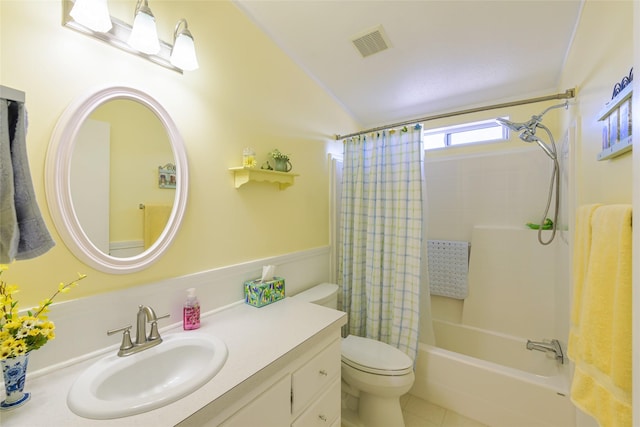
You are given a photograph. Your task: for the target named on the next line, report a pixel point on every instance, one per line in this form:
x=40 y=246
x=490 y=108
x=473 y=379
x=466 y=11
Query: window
x=468 y=133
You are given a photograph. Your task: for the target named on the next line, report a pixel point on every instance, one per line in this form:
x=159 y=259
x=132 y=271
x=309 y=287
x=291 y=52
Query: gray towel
x=20 y=217
x=9 y=235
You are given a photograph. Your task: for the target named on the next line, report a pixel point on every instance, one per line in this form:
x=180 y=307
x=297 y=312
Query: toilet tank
x=325 y=294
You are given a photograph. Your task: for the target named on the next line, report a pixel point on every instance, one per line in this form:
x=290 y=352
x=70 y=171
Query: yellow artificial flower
x=13 y=324
x=48 y=325
x=22 y=334
x=5 y=352
x=17 y=343
x=19 y=348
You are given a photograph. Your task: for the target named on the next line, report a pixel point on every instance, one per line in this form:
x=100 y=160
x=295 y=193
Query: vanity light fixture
x=144 y=34
x=93 y=14
x=120 y=33
x=183 y=54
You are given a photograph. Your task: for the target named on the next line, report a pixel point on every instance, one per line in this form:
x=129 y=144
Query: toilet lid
x=374 y=356
x=319 y=293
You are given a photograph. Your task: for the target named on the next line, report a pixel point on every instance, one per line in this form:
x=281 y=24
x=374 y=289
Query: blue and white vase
x=14 y=370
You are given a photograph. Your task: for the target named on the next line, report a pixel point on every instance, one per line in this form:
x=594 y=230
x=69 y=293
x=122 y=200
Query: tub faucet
x=145 y=314
x=547 y=346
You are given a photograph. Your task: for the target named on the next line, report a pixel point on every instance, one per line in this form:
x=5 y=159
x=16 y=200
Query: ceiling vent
x=371 y=41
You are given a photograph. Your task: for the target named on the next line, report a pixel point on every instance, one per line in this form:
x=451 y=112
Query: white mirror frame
x=58 y=181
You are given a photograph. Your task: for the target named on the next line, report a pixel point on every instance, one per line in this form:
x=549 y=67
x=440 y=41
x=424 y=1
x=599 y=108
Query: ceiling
x=443 y=56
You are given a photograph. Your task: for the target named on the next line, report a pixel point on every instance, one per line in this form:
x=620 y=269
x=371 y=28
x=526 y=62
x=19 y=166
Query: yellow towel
x=581 y=252
x=155 y=220
x=600 y=336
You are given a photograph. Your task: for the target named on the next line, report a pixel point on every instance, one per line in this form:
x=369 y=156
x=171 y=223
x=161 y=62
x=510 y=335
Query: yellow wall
x=246 y=93
x=601 y=55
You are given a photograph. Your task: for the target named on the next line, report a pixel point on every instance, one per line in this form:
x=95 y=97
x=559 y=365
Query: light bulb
x=183 y=54
x=93 y=14
x=144 y=35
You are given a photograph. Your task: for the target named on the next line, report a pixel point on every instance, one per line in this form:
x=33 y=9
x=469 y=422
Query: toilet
x=375 y=372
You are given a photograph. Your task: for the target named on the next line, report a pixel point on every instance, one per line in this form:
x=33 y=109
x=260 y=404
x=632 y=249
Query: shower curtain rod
x=569 y=93
x=11 y=94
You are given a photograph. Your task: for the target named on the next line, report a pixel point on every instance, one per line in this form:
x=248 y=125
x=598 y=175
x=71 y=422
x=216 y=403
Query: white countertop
x=255 y=338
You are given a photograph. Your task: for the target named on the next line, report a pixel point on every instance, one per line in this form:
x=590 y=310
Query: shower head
x=516 y=127
x=532 y=124
x=528 y=129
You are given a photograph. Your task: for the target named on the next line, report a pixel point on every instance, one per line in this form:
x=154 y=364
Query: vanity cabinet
x=269 y=409
x=318 y=376
x=304 y=394
x=282 y=369
x=323 y=412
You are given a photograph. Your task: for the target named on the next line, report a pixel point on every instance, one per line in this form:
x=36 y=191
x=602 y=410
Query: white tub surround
x=502 y=349
x=262 y=343
x=491 y=377
x=512 y=284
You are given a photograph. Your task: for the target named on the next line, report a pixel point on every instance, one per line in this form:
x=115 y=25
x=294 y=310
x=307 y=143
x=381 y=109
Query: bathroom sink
x=116 y=386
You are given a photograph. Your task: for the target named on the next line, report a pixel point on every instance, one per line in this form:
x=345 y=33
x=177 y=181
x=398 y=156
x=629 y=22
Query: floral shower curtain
x=381 y=234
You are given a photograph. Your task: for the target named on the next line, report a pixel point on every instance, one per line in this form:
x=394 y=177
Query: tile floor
x=420 y=413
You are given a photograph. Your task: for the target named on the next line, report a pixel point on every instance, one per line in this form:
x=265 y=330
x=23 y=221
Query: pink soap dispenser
x=191 y=311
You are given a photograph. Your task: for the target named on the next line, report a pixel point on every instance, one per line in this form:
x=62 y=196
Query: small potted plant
x=282 y=163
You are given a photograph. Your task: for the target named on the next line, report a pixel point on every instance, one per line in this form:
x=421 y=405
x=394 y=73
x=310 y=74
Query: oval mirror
x=117 y=179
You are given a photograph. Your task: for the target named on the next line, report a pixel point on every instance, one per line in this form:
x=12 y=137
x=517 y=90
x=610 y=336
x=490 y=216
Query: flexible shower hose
x=555 y=179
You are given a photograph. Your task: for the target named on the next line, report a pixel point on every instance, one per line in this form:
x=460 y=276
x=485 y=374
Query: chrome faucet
x=547 y=346
x=145 y=314
x=143 y=342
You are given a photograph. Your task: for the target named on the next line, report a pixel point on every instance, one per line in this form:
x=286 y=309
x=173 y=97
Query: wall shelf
x=616 y=102
x=617 y=150
x=616 y=118
x=244 y=175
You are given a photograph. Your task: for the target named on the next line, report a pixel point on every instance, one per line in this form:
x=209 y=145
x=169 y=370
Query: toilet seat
x=375 y=357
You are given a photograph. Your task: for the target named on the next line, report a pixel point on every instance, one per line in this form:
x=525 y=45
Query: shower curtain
x=381 y=235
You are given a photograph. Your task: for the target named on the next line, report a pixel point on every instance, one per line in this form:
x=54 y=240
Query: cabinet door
x=315 y=376
x=323 y=412
x=271 y=409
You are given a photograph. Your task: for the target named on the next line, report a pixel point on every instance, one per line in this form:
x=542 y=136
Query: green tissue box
x=259 y=294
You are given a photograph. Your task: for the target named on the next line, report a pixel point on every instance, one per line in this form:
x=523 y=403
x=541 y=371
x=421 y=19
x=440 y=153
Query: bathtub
x=493 y=378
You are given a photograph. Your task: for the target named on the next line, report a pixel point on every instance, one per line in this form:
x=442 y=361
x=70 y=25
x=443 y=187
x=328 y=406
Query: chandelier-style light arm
x=118 y=33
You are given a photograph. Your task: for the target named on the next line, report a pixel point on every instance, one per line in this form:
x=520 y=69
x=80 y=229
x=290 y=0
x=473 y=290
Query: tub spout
x=547 y=346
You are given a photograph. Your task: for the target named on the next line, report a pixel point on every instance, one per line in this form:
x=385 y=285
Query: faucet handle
x=154 y=334
x=166 y=316
x=123 y=329
x=126 y=337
